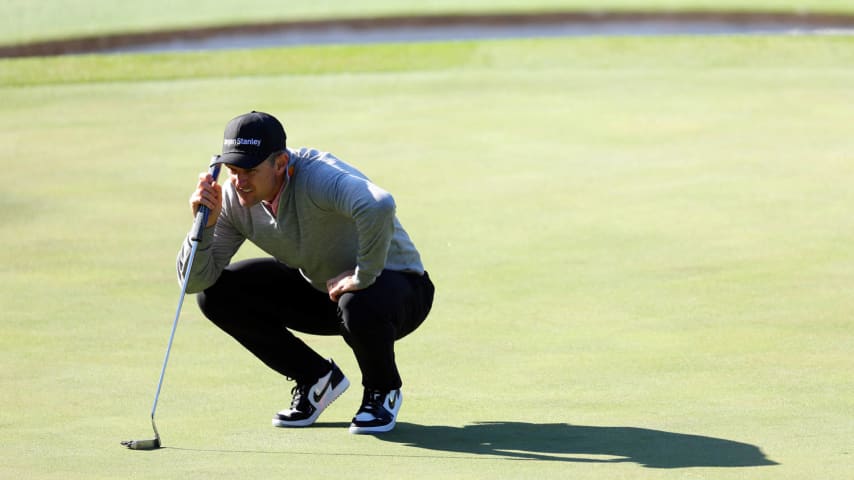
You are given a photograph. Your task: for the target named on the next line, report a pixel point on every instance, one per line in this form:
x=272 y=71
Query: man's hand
x=209 y=194
x=343 y=283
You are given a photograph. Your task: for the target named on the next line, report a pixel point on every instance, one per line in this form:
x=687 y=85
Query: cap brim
x=239 y=159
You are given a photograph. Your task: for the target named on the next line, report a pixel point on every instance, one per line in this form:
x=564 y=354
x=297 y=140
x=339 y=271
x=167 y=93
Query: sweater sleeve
x=217 y=246
x=372 y=209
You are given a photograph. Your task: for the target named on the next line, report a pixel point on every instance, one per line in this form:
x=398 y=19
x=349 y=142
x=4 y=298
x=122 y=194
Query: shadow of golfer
x=575 y=443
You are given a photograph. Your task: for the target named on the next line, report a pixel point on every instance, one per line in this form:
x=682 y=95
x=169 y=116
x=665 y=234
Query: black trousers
x=260 y=301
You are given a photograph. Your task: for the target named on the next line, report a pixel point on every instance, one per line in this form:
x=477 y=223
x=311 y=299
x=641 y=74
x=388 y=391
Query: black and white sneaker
x=310 y=401
x=378 y=412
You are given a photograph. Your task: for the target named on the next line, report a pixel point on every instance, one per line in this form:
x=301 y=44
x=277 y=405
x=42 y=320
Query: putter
x=198 y=228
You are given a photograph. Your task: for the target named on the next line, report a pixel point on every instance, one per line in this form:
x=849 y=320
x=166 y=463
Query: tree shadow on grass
x=576 y=443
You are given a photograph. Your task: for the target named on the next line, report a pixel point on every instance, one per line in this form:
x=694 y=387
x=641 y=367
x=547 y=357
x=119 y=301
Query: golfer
x=340 y=263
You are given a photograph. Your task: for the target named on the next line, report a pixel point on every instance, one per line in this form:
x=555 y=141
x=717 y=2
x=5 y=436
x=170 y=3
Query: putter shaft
x=196 y=236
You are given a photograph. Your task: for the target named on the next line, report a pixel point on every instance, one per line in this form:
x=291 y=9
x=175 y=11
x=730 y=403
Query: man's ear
x=282 y=161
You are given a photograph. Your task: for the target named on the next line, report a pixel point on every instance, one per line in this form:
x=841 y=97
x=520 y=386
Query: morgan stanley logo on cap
x=251 y=138
x=241 y=141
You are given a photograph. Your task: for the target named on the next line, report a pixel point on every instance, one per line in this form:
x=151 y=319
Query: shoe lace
x=298 y=392
x=373 y=399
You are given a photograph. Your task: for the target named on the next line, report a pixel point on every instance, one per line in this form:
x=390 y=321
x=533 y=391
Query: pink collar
x=273 y=205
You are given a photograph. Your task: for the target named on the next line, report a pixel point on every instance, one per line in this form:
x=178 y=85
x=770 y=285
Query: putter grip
x=203 y=212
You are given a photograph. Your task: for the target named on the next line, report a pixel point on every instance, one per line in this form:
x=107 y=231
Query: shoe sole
x=380 y=429
x=334 y=394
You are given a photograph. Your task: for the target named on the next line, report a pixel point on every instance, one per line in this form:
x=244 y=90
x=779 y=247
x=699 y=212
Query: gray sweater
x=330 y=219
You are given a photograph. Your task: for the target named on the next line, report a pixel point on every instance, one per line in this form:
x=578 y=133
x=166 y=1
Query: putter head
x=152 y=444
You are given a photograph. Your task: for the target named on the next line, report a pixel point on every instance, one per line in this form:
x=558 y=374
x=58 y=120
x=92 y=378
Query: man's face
x=256 y=184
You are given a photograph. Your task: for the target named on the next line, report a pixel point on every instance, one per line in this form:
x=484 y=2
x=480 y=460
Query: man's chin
x=246 y=202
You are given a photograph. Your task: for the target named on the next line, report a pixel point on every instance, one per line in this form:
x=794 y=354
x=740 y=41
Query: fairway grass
x=642 y=252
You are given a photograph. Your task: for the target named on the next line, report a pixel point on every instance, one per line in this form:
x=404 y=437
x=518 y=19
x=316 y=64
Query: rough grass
x=538 y=54
x=27 y=21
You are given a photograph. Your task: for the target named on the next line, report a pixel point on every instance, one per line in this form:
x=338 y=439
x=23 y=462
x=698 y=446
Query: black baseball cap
x=250 y=138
